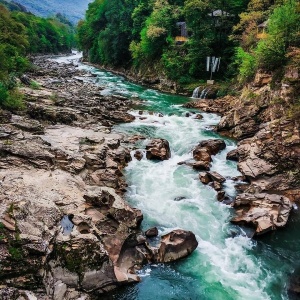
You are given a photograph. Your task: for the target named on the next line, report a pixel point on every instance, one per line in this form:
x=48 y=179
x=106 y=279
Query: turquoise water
x=226 y=264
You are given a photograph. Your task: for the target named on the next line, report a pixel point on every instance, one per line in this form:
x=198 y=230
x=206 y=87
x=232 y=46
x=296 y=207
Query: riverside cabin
x=183 y=37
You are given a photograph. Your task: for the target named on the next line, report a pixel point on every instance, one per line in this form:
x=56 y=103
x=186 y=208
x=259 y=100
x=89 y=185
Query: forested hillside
x=142 y=34
x=72 y=9
x=22 y=34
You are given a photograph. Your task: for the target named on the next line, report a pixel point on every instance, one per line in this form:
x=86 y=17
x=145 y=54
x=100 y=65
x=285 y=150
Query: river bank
x=65 y=143
x=66 y=230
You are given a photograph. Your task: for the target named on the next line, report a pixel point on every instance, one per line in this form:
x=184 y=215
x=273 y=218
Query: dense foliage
x=141 y=34
x=21 y=34
x=270 y=50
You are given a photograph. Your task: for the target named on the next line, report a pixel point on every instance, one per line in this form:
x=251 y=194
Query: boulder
x=179 y=198
x=216 y=176
x=151 y=232
x=213 y=146
x=202 y=154
x=198 y=117
x=233 y=155
x=197 y=165
x=175 y=245
x=205 y=149
x=138 y=155
x=221 y=195
x=217 y=185
x=158 y=149
x=263 y=211
x=204 y=177
x=60 y=290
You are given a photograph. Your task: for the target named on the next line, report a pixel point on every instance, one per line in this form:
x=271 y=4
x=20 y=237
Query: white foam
x=155 y=185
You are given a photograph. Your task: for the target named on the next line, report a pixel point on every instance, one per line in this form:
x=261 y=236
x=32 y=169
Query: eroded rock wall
x=265 y=118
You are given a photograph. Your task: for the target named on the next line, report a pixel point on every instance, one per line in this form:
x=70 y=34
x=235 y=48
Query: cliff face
x=265 y=119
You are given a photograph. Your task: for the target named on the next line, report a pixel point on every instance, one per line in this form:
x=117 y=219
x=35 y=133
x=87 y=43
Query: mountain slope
x=73 y=9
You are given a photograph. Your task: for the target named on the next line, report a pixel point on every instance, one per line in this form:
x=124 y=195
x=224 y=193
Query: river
x=227 y=264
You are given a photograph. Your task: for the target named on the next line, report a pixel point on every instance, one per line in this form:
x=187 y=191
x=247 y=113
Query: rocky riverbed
x=66 y=231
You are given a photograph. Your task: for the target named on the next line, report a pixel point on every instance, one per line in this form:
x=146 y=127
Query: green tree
x=283 y=32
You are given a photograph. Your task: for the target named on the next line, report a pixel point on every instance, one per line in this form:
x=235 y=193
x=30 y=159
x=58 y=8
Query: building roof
x=263 y=25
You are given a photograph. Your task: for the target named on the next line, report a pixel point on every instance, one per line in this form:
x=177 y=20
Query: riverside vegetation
x=141 y=35
x=23 y=34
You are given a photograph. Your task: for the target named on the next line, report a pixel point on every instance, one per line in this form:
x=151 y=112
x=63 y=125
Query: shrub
x=246 y=65
x=11 y=99
x=34 y=85
x=283 y=32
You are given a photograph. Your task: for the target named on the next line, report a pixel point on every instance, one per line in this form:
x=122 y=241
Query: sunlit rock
x=264 y=212
x=175 y=245
x=158 y=149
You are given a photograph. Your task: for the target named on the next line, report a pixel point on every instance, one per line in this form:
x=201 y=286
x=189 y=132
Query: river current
x=227 y=264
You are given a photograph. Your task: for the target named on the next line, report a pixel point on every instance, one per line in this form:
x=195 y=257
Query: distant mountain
x=74 y=10
x=13 y=6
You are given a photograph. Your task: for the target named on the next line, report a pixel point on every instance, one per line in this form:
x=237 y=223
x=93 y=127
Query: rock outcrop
x=264 y=212
x=219 y=105
x=265 y=121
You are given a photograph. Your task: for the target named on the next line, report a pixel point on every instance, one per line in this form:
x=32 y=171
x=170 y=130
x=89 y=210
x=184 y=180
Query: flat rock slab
x=264 y=212
x=216 y=176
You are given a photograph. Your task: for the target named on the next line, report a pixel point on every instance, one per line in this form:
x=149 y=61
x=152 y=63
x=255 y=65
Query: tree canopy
x=22 y=33
x=142 y=34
